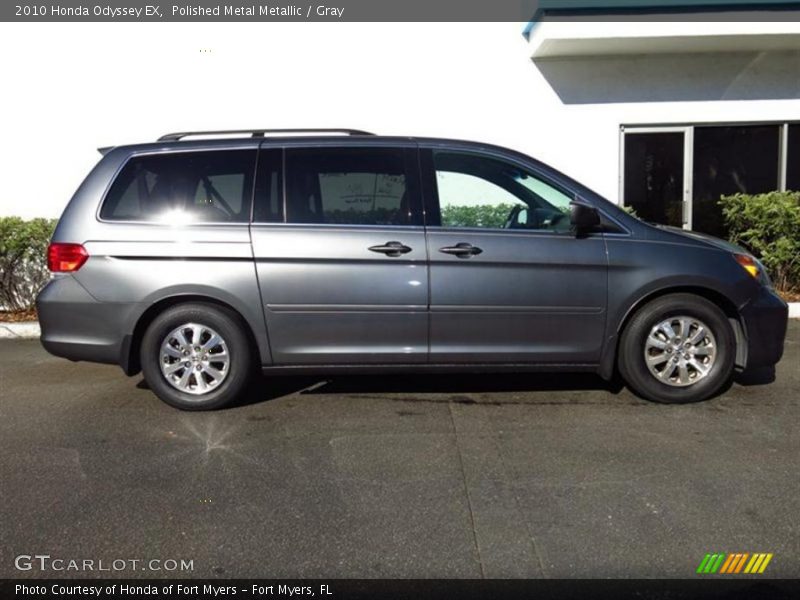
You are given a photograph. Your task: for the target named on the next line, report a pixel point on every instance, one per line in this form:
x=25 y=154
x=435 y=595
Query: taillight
x=66 y=258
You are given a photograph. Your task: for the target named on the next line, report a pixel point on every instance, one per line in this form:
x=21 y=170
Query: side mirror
x=584 y=218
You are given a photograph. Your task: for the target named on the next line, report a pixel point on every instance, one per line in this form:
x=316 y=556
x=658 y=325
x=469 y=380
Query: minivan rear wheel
x=196 y=356
x=677 y=349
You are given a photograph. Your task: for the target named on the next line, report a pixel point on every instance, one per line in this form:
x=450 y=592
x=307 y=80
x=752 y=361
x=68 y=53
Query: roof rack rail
x=258 y=133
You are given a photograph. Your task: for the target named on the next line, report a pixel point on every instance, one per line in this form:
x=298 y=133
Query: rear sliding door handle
x=462 y=250
x=393 y=249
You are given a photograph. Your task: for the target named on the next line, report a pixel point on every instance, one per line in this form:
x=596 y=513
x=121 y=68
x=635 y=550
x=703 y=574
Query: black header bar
x=523 y=11
x=731 y=588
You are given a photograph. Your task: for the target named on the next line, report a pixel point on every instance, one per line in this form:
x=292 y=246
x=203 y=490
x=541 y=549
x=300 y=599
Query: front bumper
x=76 y=326
x=764 y=319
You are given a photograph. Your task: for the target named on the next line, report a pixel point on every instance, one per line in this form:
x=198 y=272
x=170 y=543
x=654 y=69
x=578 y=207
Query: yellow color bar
x=765 y=563
x=753 y=564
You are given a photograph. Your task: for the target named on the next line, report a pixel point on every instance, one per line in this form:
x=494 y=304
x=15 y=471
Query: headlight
x=748 y=263
x=753 y=267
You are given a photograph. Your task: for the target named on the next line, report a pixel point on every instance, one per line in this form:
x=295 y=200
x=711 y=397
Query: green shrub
x=630 y=210
x=23 y=260
x=482 y=215
x=768 y=225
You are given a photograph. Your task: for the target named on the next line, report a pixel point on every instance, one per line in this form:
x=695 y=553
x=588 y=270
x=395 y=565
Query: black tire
x=631 y=359
x=224 y=322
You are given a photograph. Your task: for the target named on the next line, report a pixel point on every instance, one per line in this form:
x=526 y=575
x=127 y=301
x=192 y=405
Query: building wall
x=584 y=139
x=588 y=97
x=72 y=88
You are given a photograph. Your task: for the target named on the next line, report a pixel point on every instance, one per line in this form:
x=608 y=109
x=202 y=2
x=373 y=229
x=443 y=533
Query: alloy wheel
x=680 y=351
x=194 y=359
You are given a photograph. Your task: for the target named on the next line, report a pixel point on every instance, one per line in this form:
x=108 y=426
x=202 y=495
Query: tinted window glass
x=185 y=187
x=654 y=176
x=477 y=191
x=269 y=188
x=352 y=186
x=731 y=160
x=793 y=159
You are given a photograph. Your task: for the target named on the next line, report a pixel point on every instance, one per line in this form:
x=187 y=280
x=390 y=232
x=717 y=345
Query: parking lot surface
x=395 y=476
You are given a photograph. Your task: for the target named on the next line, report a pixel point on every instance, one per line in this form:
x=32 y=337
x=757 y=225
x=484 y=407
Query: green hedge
x=768 y=225
x=23 y=260
x=482 y=215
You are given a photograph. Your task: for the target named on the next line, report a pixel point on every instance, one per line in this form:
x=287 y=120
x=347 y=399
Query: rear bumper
x=77 y=327
x=765 y=319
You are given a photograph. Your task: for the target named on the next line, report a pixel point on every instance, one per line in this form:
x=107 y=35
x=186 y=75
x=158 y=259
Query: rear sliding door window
x=351 y=186
x=184 y=187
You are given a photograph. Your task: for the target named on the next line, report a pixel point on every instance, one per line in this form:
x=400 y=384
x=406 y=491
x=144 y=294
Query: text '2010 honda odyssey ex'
x=199 y=260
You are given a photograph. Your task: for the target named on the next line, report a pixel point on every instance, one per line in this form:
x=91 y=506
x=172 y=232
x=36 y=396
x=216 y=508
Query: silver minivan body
x=320 y=296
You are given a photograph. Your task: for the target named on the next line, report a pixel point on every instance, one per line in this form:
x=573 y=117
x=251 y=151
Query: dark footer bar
x=406 y=589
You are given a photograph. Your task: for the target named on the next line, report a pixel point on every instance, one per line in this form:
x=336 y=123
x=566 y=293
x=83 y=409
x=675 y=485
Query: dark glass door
x=731 y=160
x=654 y=176
x=793 y=159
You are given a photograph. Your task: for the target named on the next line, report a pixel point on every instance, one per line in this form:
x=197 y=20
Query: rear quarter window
x=183 y=187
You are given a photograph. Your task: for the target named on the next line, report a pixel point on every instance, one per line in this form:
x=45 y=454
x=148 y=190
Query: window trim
x=431 y=191
x=783 y=157
x=139 y=154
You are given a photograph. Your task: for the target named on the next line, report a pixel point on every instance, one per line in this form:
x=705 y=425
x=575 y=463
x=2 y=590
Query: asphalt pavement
x=392 y=476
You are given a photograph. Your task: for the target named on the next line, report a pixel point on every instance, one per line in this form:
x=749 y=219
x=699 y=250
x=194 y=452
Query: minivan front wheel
x=679 y=348
x=196 y=356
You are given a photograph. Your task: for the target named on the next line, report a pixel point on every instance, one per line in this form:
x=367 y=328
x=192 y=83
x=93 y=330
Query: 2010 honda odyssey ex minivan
x=199 y=260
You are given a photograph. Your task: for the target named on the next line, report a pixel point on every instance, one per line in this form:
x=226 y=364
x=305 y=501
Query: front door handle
x=393 y=249
x=462 y=250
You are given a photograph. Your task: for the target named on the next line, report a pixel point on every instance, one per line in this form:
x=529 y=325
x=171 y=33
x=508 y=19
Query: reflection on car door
x=342 y=270
x=509 y=282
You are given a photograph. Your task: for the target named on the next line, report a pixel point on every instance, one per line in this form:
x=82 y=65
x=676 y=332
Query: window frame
x=260 y=184
x=412 y=174
x=431 y=190
x=182 y=150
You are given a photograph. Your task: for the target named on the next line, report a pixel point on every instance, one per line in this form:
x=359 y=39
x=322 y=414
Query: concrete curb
x=27 y=330
x=30 y=330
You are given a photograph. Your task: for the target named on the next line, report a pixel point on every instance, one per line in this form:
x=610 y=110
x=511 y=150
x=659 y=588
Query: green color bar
x=718 y=564
x=710 y=563
x=703 y=563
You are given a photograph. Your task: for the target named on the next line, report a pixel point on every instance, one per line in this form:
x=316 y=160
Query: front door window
x=486 y=193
